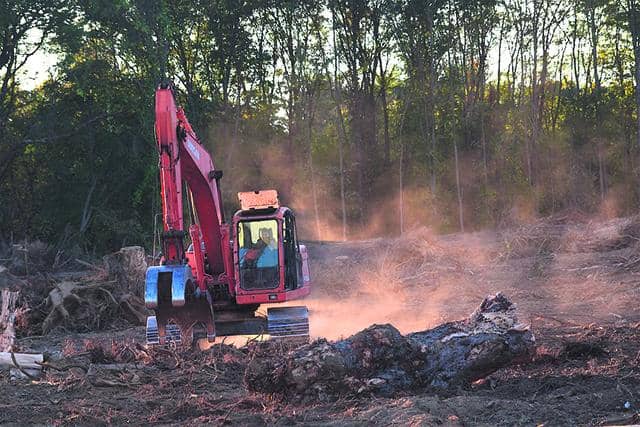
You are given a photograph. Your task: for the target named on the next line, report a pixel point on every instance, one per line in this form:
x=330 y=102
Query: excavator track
x=288 y=323
x=153 y=335
x=173 y=333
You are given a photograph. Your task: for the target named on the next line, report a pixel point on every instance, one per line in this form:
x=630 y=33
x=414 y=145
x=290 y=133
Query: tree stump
x=8 y=320
x=380 y=360
x=128 y=266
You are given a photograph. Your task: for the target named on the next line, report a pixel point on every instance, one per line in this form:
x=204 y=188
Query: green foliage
x=319 y=99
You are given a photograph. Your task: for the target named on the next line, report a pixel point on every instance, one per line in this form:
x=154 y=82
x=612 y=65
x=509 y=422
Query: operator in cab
x=269 y=255
x=263 y=253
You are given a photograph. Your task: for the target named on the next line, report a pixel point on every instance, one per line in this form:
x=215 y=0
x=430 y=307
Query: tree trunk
x=385 y=112
x=574 y=53
x=535 y=99
x=601 y=171
x=632 y=16
x=8 y=319
x=483 y=139
x=236 y=125
x=458 y=186
x=499 y=59
x=432 y=128
x=23 y=360
x=401 y=175
x=128 y=267
x=591 y=15
x=594 y=44
x=87 y=210
x=556 y=111
x=314 y=191
x=342 y=135
x=401 y=166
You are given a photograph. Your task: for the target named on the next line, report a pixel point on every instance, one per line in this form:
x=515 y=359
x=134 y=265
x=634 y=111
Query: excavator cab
x=260 y=244
x=258 y=252
x=270 y=263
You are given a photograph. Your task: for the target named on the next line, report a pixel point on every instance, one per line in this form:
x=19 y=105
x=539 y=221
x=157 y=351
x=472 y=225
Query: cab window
x=258 y=254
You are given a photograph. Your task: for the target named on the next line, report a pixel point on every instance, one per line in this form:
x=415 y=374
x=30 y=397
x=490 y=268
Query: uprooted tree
x=382 y=361
x=114 y=292
x=106 y=294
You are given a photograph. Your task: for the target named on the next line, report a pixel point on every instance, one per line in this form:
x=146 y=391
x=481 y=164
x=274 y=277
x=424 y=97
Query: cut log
x=380 y=360
x=8 y=320
x=24 y=360
x=22 y=365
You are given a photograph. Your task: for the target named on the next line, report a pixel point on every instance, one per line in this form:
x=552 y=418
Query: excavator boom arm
x=183 y=157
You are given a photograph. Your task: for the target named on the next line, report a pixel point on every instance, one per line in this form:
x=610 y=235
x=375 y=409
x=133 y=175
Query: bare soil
x=577 y=283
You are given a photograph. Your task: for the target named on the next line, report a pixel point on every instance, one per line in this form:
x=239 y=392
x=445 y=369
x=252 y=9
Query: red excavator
x=215 y=286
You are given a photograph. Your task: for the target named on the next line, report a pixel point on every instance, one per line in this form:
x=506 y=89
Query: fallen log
x=20 y=365
x=380 y=360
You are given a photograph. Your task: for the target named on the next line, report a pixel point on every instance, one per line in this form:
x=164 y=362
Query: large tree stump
x=91 y=305
x=100 y=301
x=128 y=266
x=382 y=361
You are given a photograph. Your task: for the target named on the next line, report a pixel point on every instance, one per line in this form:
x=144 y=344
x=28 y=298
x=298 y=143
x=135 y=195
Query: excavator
x=216 y=285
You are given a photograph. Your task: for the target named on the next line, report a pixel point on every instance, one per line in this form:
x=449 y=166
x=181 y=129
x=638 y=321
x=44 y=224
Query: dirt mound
x=623 y=240
x=558 y=235
x=543 y=238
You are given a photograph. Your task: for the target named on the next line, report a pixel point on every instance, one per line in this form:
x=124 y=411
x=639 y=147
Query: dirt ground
x=575 y=282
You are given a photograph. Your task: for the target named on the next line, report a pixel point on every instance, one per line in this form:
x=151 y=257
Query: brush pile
x=379 y=360
x=543 y=238
x=93 y=296
x=623 y=242
x=377 y=267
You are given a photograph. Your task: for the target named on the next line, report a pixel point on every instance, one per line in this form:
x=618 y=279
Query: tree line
x=371 y=117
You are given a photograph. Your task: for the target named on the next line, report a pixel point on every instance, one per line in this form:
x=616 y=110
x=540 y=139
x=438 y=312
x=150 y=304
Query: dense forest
x=371 y=117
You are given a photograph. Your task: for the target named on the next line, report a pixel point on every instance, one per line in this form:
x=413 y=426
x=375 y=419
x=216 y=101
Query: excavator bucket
x=180 y=316
x=181 y=325
x=288 y=323
x=167 y=285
